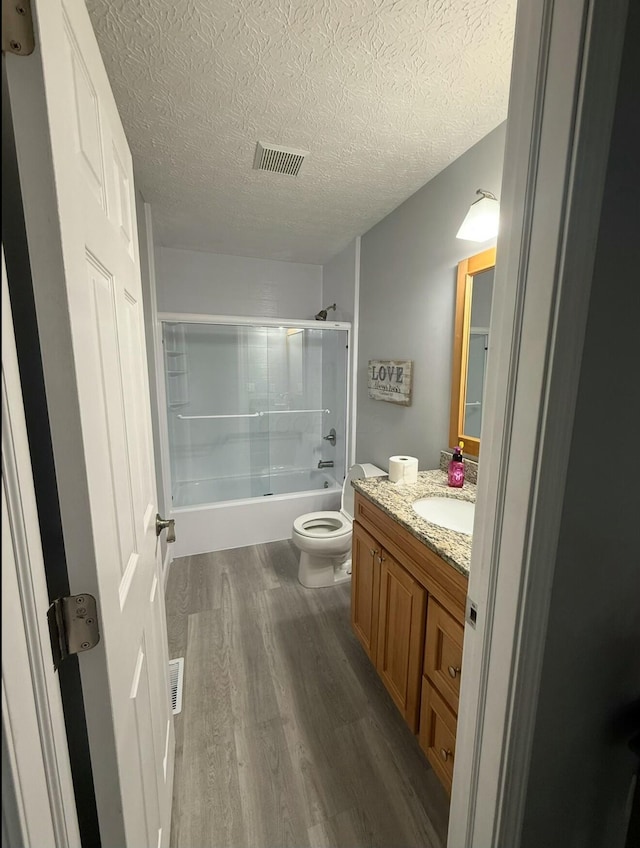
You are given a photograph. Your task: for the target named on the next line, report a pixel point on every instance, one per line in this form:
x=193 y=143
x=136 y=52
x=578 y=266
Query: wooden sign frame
x=390 y=380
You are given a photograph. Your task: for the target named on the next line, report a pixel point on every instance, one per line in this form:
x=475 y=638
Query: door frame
x=42 y=471
x=36 y=771
x=562 y=101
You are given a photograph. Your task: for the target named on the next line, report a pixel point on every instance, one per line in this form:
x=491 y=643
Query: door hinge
x=73 y=626
x=17 y=27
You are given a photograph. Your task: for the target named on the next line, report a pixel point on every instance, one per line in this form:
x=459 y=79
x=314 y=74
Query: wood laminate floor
x=287 y=736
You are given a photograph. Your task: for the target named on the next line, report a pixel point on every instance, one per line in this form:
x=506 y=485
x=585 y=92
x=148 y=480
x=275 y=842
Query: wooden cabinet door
x=401 y=636
x=365 y=589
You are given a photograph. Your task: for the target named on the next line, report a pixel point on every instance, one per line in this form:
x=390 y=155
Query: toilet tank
x=359 y=471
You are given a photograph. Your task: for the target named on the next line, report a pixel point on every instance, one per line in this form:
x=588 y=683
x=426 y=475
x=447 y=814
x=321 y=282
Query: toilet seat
x=324 y=538
x=322 y=525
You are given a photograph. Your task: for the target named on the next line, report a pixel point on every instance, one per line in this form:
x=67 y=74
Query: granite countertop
x=397 y=499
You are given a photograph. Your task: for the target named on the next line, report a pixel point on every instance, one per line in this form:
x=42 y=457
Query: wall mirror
x=470 y=345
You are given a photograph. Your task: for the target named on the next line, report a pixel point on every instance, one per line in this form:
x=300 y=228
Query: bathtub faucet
x=325 y=464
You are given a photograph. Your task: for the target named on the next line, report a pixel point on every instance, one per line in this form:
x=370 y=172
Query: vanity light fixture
x=481 y=222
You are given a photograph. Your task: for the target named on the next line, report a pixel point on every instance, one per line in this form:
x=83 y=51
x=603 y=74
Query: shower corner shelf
x=176 y=365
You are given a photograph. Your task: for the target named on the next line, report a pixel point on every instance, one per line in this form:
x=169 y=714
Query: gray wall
x=581 y=769
x=407 y=295
x=340 y=277
x=217 y=284
x=339 y=283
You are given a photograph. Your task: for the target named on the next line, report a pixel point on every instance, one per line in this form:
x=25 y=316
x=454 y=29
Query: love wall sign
x=390 y=380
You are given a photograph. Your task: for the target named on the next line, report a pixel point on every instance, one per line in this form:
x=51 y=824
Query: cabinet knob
x=445 y=753
x=373 y=552
x=453 y=671
x=381 y=558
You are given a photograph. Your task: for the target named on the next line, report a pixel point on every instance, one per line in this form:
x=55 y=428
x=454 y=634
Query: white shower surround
x=250 y=521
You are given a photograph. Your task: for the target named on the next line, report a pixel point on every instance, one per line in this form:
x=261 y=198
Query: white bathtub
x=267 y=516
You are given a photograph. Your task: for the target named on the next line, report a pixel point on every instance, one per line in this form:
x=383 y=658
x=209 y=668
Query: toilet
x=324 y=538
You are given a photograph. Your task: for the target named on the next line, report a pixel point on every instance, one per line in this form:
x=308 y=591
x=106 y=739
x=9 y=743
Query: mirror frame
x=467 y=269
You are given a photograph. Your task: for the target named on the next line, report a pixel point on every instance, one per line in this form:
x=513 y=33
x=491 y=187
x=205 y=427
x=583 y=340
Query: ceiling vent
x=280 y=160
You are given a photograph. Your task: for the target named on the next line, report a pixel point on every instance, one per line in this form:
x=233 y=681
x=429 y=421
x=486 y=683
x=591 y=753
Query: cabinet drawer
x=443 y=652
x=437 y=735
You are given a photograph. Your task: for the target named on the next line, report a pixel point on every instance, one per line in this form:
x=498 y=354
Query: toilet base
x=316 y=572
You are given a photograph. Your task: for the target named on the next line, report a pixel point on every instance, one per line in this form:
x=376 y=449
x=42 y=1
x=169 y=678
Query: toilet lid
x=359 y=471
x=317 y=525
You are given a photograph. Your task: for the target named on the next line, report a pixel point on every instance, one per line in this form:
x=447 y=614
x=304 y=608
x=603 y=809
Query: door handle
x=168 y=524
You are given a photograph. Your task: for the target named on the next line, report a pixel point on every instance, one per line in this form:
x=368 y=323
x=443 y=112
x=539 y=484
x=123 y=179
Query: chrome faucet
x=325 y=464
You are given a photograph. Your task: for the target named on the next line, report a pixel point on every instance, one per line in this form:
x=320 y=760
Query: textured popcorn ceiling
x=383 y=93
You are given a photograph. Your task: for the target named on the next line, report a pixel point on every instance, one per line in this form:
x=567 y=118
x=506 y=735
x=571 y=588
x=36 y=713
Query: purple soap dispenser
x=456 y=467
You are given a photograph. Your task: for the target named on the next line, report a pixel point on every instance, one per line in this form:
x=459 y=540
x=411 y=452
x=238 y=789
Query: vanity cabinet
x=407 y=610
x=387 y=615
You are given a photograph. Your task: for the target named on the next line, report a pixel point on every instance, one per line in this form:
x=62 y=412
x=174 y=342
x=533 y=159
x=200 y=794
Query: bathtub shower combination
x=256 y=423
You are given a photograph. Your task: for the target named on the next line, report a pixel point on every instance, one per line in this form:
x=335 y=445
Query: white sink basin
x=447 y=512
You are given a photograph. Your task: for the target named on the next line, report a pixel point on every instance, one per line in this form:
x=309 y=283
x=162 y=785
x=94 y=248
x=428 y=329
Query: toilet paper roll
x=403 y=469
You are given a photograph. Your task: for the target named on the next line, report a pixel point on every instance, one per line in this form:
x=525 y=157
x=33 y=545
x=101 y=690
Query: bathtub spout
x=325 y=464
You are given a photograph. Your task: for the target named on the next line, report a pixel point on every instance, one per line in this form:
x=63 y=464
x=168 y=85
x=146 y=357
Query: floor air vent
x=176 y=677
x=279 y=160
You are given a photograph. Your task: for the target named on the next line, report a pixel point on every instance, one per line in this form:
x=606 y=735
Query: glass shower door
x=249 y=407
x=218 y=441
x=307 y=399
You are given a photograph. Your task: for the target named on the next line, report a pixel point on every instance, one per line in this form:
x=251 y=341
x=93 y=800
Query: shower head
x=322 y=315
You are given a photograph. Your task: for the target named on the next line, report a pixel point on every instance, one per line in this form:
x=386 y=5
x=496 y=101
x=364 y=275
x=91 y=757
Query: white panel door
x=77 y=182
